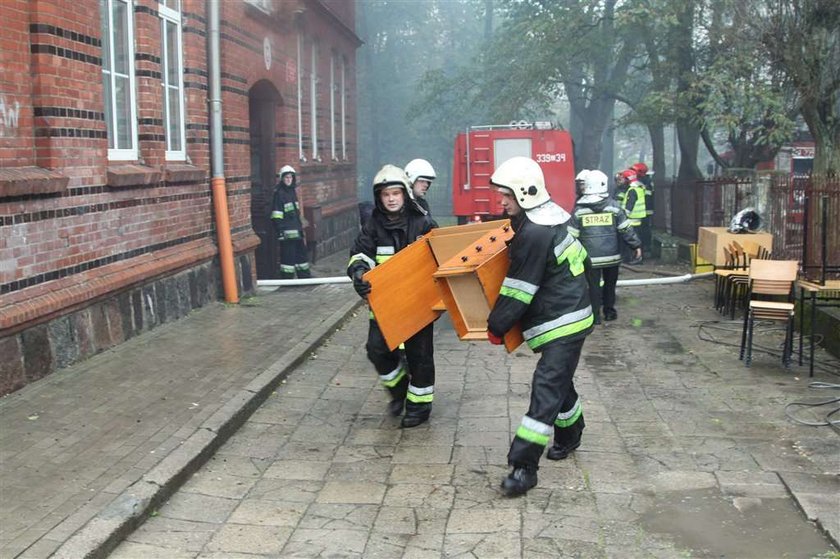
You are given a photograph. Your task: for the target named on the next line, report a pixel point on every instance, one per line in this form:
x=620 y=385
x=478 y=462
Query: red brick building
x=108 y=223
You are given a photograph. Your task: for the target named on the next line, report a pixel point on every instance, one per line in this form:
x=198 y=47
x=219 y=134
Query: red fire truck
x=481 y=149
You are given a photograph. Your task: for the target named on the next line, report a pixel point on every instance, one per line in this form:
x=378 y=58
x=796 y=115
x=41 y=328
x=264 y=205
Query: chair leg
x=788 y=343
x=744 y=334
x=751 y=323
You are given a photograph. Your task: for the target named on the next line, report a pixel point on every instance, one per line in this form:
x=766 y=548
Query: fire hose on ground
x=344 y=279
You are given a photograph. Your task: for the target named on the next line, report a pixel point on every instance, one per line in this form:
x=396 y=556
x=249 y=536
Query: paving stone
x=237 y=538
x=352 y=492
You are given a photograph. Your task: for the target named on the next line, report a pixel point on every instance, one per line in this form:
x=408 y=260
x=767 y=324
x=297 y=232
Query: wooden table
x=712 y=240
x=820 y=295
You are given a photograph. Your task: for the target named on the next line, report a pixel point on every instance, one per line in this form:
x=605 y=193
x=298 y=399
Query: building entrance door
x=263 y=101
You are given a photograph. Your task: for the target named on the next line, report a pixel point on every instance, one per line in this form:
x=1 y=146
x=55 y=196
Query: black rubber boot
x=395 y=407
x=398 y=392
x=610 y=314
x=519 y=481
x=415 y=414
x=566 y=440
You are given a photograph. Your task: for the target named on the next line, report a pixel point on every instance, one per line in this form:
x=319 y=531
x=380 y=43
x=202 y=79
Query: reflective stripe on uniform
x=292 y=233
x=573 y=230
x=567 y=325
x=363 y=258
x=276 y=214
x=289 y=206
x=624 y=225
x=568 y=418
x=420 y=395
x=534 y=431
x=518 y=289
x=302 y=267
x=393 y=378
x=568 y=241
x=287 y=269
x=574 y=253
x=602 y=260
x=383 y=253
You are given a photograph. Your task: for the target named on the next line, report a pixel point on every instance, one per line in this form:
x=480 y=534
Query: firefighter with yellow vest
x=395 y=223
x=645 y=176
x=634 y=203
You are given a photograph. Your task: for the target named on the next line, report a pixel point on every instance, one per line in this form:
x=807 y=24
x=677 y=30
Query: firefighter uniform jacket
x=545 y=288
x=598 y=226
x=285 y=213
x=381 y=238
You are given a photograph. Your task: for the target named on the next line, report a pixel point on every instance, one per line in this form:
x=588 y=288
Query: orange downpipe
x=220 y=208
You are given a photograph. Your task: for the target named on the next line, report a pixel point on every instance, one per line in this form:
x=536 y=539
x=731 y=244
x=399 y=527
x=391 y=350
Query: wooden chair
x=754 y=250
x=731 y=281
x=767 y=279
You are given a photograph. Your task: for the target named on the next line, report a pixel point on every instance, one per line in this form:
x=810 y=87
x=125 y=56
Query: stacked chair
x=769 y=297
x=731 y=279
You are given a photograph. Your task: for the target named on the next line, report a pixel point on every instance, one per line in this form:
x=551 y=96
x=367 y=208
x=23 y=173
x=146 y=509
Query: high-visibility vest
x=638 y=211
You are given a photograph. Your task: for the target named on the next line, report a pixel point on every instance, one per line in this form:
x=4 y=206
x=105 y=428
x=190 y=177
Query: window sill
x=132 y=175
x=182 y=172
x=22 y=181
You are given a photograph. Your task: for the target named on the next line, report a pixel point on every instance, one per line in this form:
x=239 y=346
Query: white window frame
x=333 y=153
x=173 y=16
x=343 y=110
x=130 y=153
x=313 y=99
x=301 y=154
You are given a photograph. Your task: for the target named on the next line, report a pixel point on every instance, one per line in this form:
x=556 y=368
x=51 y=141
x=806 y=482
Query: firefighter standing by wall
x=395 y=223
x=645 y=177
x=420 y=175
x=546 y=292
x=634 y=203
x=598 y=221
x=288 y=226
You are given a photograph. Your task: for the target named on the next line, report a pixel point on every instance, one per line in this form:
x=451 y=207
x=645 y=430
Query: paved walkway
x=114 y=434
x=686 y=452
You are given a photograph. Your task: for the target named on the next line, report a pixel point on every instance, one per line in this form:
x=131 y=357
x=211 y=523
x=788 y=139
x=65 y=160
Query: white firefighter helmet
x=286 y=169
x=524 y=178
x=595 y=187
x=389 y=175
x=420 y=169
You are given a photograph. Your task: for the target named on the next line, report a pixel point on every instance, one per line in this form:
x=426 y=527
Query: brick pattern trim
x=41 y=303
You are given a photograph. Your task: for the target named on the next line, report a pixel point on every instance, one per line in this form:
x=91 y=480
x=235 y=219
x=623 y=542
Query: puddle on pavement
x=710 y=525
x=671 y=346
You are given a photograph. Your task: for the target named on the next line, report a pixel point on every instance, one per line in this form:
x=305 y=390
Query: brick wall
x=78 y=230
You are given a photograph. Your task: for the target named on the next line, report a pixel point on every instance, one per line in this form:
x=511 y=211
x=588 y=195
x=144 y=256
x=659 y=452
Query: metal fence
x=786 y=204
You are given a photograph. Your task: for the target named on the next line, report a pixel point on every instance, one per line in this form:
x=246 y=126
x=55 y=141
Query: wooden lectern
x=405 y=296
x=469 y=283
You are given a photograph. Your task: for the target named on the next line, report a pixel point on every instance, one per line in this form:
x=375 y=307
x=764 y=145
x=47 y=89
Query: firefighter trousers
x=602 y=295
x=417 y=384
x=294 y=259
x=555 y=407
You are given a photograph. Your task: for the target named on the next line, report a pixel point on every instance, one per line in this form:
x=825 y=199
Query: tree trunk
x=826 y=139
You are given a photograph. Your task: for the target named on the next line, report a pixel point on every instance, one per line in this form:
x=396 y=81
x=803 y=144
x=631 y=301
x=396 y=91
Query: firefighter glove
x=494 y=339
x=361 y=286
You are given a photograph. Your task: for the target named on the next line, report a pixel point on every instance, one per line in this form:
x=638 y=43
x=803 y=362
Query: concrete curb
x=102 y=533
